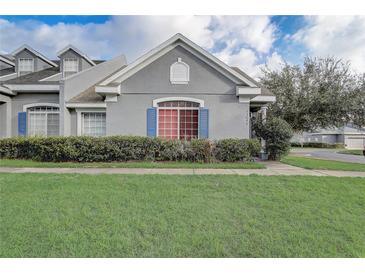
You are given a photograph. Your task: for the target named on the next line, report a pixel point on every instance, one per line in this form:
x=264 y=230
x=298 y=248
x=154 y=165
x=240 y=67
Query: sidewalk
x=273 y=168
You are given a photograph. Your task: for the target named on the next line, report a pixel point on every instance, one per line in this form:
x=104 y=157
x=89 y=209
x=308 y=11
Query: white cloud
x=246 y=38
x=256 y=32
x=341 y=36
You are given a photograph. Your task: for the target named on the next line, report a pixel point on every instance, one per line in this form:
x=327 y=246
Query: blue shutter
x=151 y=122
x=204 y=123
x=22 y=123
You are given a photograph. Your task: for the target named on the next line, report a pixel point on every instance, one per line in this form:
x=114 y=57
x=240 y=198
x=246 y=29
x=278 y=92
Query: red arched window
x=178 y=120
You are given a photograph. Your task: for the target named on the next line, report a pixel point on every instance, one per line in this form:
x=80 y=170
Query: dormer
x=28 y=60
x=72 y=60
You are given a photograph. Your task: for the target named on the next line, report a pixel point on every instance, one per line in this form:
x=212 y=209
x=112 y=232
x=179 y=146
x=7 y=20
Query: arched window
x=43 y=120
x=178 y=119
x=179 y=72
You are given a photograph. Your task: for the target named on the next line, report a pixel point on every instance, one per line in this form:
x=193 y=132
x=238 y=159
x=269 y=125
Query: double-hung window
x=178 y=120
x=93 y=123
x=43 y=121
x=70 y=66
x=26 y=65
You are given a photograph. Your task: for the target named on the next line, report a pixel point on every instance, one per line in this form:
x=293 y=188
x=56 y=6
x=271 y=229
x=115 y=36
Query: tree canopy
x=323 y=93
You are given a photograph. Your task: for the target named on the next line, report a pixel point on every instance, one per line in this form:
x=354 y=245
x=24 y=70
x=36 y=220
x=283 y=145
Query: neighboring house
x=176 y=91
x=349 y=136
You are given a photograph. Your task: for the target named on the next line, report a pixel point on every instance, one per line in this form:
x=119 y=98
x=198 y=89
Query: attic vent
x=179 y=72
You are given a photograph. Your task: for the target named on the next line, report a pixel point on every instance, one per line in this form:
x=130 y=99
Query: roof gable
x=176 y=40
x=79 y=52
x=36 y=53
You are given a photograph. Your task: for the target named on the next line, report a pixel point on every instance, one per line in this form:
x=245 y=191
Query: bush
x=277 y=134
x=125 y=148
x=317 y=145
x=231 y=150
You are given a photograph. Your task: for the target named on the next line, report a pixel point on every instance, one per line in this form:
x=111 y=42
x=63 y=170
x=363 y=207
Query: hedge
x=126 y=148
x=317 y=145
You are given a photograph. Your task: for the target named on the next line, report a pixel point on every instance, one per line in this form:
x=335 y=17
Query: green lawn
x=30 y=163
x=351 y=151
x=310 y=163
x=73 y=215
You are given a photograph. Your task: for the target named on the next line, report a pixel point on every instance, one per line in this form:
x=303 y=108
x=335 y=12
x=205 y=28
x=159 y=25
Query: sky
x=249 y=42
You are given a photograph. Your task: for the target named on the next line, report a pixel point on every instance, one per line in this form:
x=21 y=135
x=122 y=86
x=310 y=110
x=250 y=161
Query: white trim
x=44 y=58
x=108 y=90
x=8 y=75
x=6 y=90
x=54 y=75
x=30 y=87
x=85 y=105
x=264 y=98
x=167 y=46
x=9 y=62
x=78 y=52
x=155 y=102
x=79 y=111
x=247 y=91
x=25 y=107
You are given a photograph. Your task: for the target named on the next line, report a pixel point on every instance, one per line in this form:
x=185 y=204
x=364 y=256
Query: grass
x=351 y=151
x=224 y=165
x=310 y=163
x=74 y=215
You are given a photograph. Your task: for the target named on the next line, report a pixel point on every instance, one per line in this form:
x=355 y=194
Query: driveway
x=327 y=154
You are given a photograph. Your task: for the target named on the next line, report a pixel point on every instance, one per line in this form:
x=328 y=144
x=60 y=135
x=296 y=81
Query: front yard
x=312 y=163
x=50 y=215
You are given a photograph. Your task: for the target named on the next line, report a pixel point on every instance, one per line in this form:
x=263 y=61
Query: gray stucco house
x=176 y=91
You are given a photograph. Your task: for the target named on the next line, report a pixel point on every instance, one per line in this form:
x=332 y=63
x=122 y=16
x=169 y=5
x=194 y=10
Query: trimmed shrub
x=126 y=148
x=317 y=145
x=231 y=150
x=277 y=134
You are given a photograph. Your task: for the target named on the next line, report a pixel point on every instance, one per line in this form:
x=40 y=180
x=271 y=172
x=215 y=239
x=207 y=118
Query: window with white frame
x=26 y=65
x=178 y=120
x=70 y=66
x=179 y=72
x=93 y=123
x=43 y=121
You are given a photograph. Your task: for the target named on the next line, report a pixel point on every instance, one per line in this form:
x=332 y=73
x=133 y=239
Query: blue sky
x=249 y=42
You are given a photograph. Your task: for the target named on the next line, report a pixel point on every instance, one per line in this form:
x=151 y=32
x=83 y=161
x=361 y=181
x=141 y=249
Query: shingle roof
x=33 y=78
x=89 y=95
x=6 y=71
x=264 y=91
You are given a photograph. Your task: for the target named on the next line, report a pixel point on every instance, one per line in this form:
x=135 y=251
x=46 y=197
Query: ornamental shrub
x=277 y=134
x=126 y=148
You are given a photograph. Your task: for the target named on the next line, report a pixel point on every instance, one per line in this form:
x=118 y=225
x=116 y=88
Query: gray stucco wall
x=75 y=84
x=25 y=98
x=155 y=78
x=2 y=119
x=83 y=64
x=227 y=117
x=39 y=64
x=5 y=114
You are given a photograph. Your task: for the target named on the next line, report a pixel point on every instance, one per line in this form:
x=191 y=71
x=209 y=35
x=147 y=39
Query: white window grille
x=43 y=121
x=93 y=123
x=26 y=65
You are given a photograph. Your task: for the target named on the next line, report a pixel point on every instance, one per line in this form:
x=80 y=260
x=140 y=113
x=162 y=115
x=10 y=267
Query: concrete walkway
x=273 y=168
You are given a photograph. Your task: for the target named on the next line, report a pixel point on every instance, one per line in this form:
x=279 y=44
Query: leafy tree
x=323 y=93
